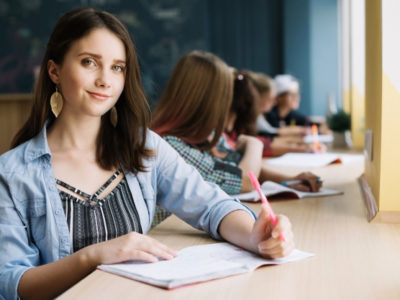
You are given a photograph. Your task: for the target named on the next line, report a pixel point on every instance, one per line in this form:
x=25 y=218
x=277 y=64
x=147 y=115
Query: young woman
x=192 y=115
x=249 y=103
x=284 y=114
x=267 y=90
x=81 y=185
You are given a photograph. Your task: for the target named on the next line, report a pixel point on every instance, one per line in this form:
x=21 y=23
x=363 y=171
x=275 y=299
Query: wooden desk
x=354 y=259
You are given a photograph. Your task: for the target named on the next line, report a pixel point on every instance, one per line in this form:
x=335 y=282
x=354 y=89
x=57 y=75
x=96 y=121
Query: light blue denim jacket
x=33 y=228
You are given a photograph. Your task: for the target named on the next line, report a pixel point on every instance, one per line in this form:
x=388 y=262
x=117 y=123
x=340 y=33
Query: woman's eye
x=118 y=68
x=88 y=62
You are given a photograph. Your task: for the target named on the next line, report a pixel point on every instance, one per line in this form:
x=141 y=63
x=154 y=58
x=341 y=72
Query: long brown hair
x=262 y=82
x=123 y=145
x=196 y=100
x=244 y=104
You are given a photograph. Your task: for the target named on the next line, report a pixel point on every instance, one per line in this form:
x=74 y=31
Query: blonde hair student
x=268 y=90
x=192 y=114
x=81 y=184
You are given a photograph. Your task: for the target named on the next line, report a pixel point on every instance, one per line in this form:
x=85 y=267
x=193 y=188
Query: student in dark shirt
x=287 y=102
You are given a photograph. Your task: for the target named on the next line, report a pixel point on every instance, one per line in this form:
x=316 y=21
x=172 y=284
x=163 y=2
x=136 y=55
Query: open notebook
x=313 y=160
x=275 y=190
x=321 y=138
x=196 y=264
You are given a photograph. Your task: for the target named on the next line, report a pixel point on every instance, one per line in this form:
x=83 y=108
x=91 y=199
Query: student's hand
x=131 y=246
x=265 y=237
x=282 y=145
x=293 y=130
x=310 y=185
x=324 y=129
x=246 y=141
x=321 y=148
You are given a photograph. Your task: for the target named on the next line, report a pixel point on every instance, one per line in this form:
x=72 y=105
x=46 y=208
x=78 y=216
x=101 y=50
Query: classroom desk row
x=353 y=259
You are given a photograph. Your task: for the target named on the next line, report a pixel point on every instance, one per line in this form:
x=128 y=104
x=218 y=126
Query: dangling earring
x=56 y=103
x=114 y=116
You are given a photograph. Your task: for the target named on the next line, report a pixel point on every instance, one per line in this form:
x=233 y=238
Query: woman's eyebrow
x=90 y=53
x=98 y=56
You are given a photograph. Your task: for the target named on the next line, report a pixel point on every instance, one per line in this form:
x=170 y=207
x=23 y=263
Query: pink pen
x=264 y=200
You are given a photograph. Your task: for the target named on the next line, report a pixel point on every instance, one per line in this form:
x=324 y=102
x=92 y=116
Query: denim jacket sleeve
x=18 y=253
x=29 y=234
x=182 y=190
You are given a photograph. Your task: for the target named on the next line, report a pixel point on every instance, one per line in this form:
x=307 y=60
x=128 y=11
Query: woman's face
x=267 y=101
x=92 y=75
x=290 y=99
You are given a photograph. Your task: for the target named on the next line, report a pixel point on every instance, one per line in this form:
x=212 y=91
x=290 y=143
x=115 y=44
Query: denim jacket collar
x=38 y=146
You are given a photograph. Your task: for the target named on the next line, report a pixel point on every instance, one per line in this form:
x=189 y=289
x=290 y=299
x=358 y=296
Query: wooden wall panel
x=14 y=111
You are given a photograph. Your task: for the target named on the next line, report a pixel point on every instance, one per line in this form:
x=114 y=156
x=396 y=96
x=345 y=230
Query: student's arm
x=50 y=280
x=311 y=184
x=282 y=145
x=252 y=150
x=293 y=130
x=259 y=236
x=181 y=190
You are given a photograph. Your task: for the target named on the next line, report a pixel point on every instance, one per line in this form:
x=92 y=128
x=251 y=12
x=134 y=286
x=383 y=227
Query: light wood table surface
x=353 y=259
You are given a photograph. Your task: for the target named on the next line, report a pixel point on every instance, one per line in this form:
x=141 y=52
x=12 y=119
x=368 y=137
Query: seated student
x=285 y=115
x=247 y=105
x=287 y=102
x=267 y=90
x=192 y=115
x=81 y=185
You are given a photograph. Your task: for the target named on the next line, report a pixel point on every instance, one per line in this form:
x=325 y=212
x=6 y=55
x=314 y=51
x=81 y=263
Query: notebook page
x=312 y=160
x=198 y=263
x=271 y=188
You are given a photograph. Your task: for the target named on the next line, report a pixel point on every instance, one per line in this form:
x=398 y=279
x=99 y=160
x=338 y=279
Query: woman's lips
x=99 y=96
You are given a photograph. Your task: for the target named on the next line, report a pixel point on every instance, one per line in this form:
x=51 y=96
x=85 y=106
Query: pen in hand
x=264 y=200
x=299 y=181
x=314 y=130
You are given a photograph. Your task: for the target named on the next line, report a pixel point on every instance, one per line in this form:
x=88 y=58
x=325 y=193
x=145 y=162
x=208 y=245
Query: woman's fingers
x=131 y=246
x=274 y=246
x=283 y=226
x=262 y=227
x=312 y=184
x=142 y=256
x=301 y=187
x=151 y=246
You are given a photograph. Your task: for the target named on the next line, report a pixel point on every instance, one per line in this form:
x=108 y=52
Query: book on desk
x=198 y=264
x=273 y=190
x=313 y=160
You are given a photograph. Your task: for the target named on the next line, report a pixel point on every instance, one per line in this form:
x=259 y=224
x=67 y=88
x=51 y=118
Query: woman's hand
x=310 y=182
x=318 y=148
x=293 y=130
x=282 y=145
x=265 y=237
x=131 y=246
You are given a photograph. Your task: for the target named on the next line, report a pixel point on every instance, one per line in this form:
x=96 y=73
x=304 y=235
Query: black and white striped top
x=96 y=220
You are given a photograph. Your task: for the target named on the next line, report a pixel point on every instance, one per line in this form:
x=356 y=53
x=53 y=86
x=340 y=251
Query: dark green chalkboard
x=162 y=30
x=246 y=34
